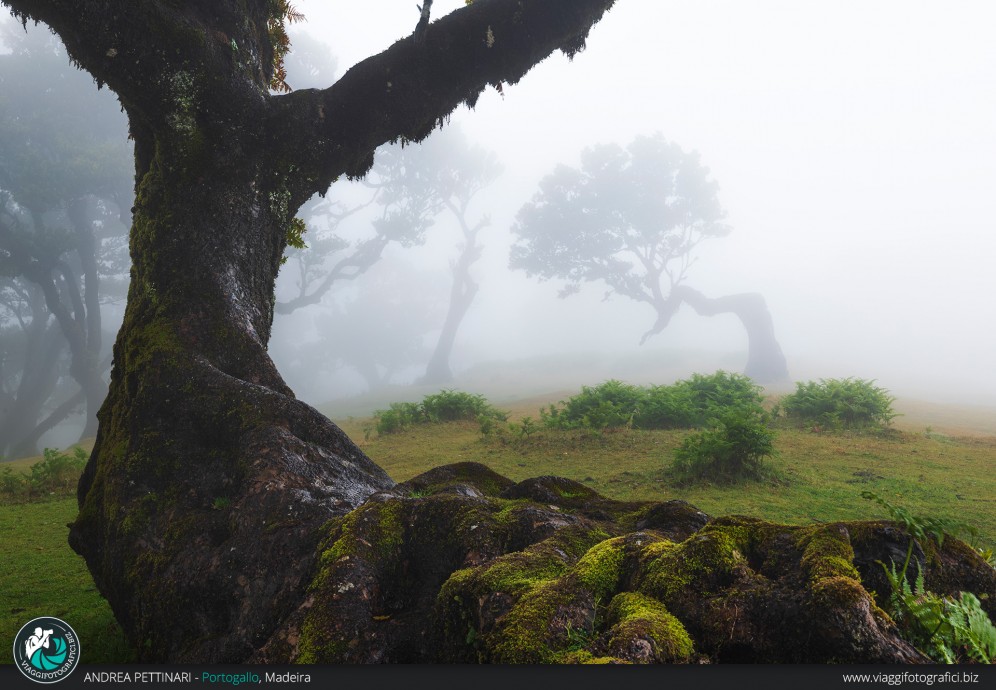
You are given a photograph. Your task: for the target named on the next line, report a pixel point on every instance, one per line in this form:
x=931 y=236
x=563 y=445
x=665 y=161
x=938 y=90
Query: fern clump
x=949 y=630
x=840 y=404
x=57 y=474
x=686 y=404
x=734 y=436
x=444 y=406
x=611 y=404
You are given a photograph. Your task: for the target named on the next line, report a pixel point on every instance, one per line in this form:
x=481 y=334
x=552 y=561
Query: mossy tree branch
x=133 y=46
x=409 y=89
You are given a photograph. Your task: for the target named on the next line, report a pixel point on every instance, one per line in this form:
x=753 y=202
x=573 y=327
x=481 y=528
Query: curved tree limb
x=348 y=268
x=765 y=360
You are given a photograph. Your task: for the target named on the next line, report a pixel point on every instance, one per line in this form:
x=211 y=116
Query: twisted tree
x=632 y=218
x=197 y=422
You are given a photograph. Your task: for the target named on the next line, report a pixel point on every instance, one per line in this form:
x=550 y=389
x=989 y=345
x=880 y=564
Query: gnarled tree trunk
x=201 y=504
x=207 y=473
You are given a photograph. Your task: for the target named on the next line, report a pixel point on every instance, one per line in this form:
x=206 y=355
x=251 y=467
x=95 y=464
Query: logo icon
x=46 y=650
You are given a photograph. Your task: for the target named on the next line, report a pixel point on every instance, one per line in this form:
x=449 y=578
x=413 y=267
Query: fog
x=855 y=158
x=854 y=150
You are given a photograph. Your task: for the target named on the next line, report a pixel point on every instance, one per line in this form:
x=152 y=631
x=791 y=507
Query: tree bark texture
x=201 y=505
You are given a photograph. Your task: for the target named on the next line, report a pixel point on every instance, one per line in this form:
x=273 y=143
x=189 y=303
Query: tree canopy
x=631 y=218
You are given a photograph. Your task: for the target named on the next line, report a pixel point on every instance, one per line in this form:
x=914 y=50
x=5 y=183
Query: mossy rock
x=456 y=478
x=951 y=567
x=643 y=630
x=528 y=573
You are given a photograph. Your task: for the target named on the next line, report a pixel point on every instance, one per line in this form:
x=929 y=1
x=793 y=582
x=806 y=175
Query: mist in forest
x=853 y=153
x=838 y=163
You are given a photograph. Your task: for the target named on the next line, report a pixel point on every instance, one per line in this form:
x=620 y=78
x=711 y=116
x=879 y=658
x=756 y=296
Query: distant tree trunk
x=44 y=346
x=55 y=417
x=86 y=365
x=765 y=361
x=462 y=295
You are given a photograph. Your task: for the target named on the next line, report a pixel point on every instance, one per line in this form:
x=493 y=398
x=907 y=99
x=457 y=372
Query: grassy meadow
x=816 y=477
x=937 y=461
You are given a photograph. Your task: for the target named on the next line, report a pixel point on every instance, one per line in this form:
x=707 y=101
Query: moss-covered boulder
x=462 y=565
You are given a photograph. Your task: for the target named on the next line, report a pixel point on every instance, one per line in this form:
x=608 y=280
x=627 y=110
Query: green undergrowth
x=839 y=404
x=54 y=474
x=444 y=406
x=689 y=403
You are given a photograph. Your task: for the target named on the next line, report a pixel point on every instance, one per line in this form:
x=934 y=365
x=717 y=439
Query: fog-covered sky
x=855 y=152
x=855 y=149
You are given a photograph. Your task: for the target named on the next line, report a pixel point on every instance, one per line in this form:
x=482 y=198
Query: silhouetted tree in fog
x=405 y=204
x=64 y=199
x=458 y=172
x=409 y=189
x=631 y=218
x=378 y=329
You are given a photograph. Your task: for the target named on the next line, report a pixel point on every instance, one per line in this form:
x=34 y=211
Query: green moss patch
x=641 y=628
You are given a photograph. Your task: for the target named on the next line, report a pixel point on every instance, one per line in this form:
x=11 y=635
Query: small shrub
x=445 y=406
x=719 y=391
x=526 y=427
x=682 y=405
x=694 y=401
x=13 y=484
x=451 y=406
x=56 y=473
x=609 y=404
x=732 y=448
x=666 y=407
x=398 y=417
x=487 y=425
x=839 y=404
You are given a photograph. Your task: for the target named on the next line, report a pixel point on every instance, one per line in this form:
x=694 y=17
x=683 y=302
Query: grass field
x=41 y=576
x=815 y=477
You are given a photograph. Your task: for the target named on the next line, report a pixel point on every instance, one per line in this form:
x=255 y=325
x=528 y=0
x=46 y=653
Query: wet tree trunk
x=200 y=441
x=209 y=482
